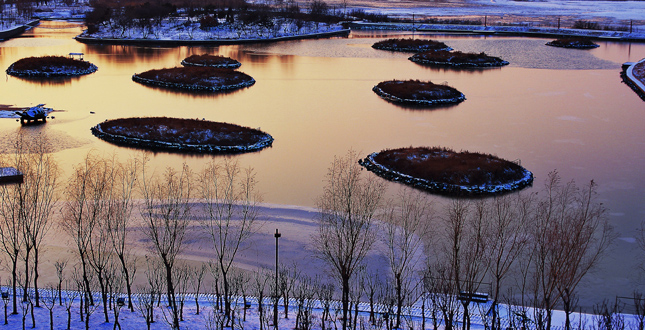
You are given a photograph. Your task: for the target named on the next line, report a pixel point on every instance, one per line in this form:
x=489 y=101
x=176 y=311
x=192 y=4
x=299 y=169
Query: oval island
x=215 y=61
x=185 y=135
x=50 y=67
x=415 y=92
x=578 y=43
x=196 y=78
x=411 y=45
x=457 y=59
x=444 y=171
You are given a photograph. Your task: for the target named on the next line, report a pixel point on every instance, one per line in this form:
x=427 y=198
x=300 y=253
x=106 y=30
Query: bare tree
x=230 y=203
x=87 y=192
x=49 y=300
x=440 y=286
x=197 y=280
x=166 y=214
x=260 y=283
x=60 y=267
x=406 y=223
x=118 y=220
x=509 y=216
x=572 y=233
x=26 y=208
x=99 y=259
x=68 y=301
x=345 y=223
x=464 y=246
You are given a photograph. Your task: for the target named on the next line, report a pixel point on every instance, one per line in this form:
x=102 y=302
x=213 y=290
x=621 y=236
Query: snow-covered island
x=444 y=171
x=50 y=66
x=415 y=92
x=410 y=45
x=195 y=78
x=578 y=43
x=457 y=59
x=185 y=135
x=167 y=25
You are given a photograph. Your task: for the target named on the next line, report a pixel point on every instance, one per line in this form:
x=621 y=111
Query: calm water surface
x=553 y=109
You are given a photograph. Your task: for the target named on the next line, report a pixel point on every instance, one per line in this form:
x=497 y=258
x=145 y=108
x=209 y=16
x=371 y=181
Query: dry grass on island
x=195 y=78
x=444 y=171
x=415 y=92
x=411 y=45
x=180 y=134
x=50 y=66
x=578 y=43
x=457 y=59
x=215 y=61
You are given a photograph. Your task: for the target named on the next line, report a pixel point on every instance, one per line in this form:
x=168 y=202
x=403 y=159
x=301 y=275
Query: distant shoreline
x=526 y=31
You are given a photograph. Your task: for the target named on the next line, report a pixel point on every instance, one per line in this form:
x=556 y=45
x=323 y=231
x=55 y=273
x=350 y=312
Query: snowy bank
x=17 y=30
x=502 y=30
x=631 y=80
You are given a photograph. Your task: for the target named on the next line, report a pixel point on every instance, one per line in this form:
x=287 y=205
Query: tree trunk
x=104 y=296
x=14 y=282
x=36 y=293
x=171 y=296
x=345 y=300
x=128 y=285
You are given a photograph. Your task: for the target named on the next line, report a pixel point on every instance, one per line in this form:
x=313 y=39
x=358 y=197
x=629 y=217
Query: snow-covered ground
x=247 y=318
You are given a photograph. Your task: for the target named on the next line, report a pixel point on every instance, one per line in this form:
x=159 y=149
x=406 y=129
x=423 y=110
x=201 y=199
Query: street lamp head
x=120 y=301
x=277 y=234
x=5 y=295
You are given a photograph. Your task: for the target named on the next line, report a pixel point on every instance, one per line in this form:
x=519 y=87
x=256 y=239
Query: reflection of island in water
x=57 y=140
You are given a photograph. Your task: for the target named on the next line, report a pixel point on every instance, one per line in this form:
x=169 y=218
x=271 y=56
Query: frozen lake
x=552 y=108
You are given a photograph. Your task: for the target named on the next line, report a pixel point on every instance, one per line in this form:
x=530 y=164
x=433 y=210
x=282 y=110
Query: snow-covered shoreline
x=632 y=81
x=502 y=30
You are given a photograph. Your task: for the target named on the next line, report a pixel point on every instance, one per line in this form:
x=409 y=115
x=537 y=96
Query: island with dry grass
x=444 y=171
x=457 y=59
x=215 y=61
x=578 y=43
x=411 y=45
x=50 y=67
x=183 y=135
x=206 y=79
x=415 y=92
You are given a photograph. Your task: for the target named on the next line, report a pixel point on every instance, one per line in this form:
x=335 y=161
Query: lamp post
x=5 y=298
x=275 y=304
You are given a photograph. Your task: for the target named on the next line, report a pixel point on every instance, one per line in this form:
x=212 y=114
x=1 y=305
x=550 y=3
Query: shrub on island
x=457 y=59
x=411 y=45
x=444 y=171
x=215 y=61
x=417 y=92
x=195 y=78
x=50 y=67
x=578 y=43
x=177 y=134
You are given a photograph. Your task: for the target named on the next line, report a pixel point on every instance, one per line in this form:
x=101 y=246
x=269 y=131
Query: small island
x=411 y=45
x=457 y=59
x=184 y=135
x=50 y=67
x=215 y=61
x=195 y=78
x=444 y=171
x=578 y=43
x=415 y=92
